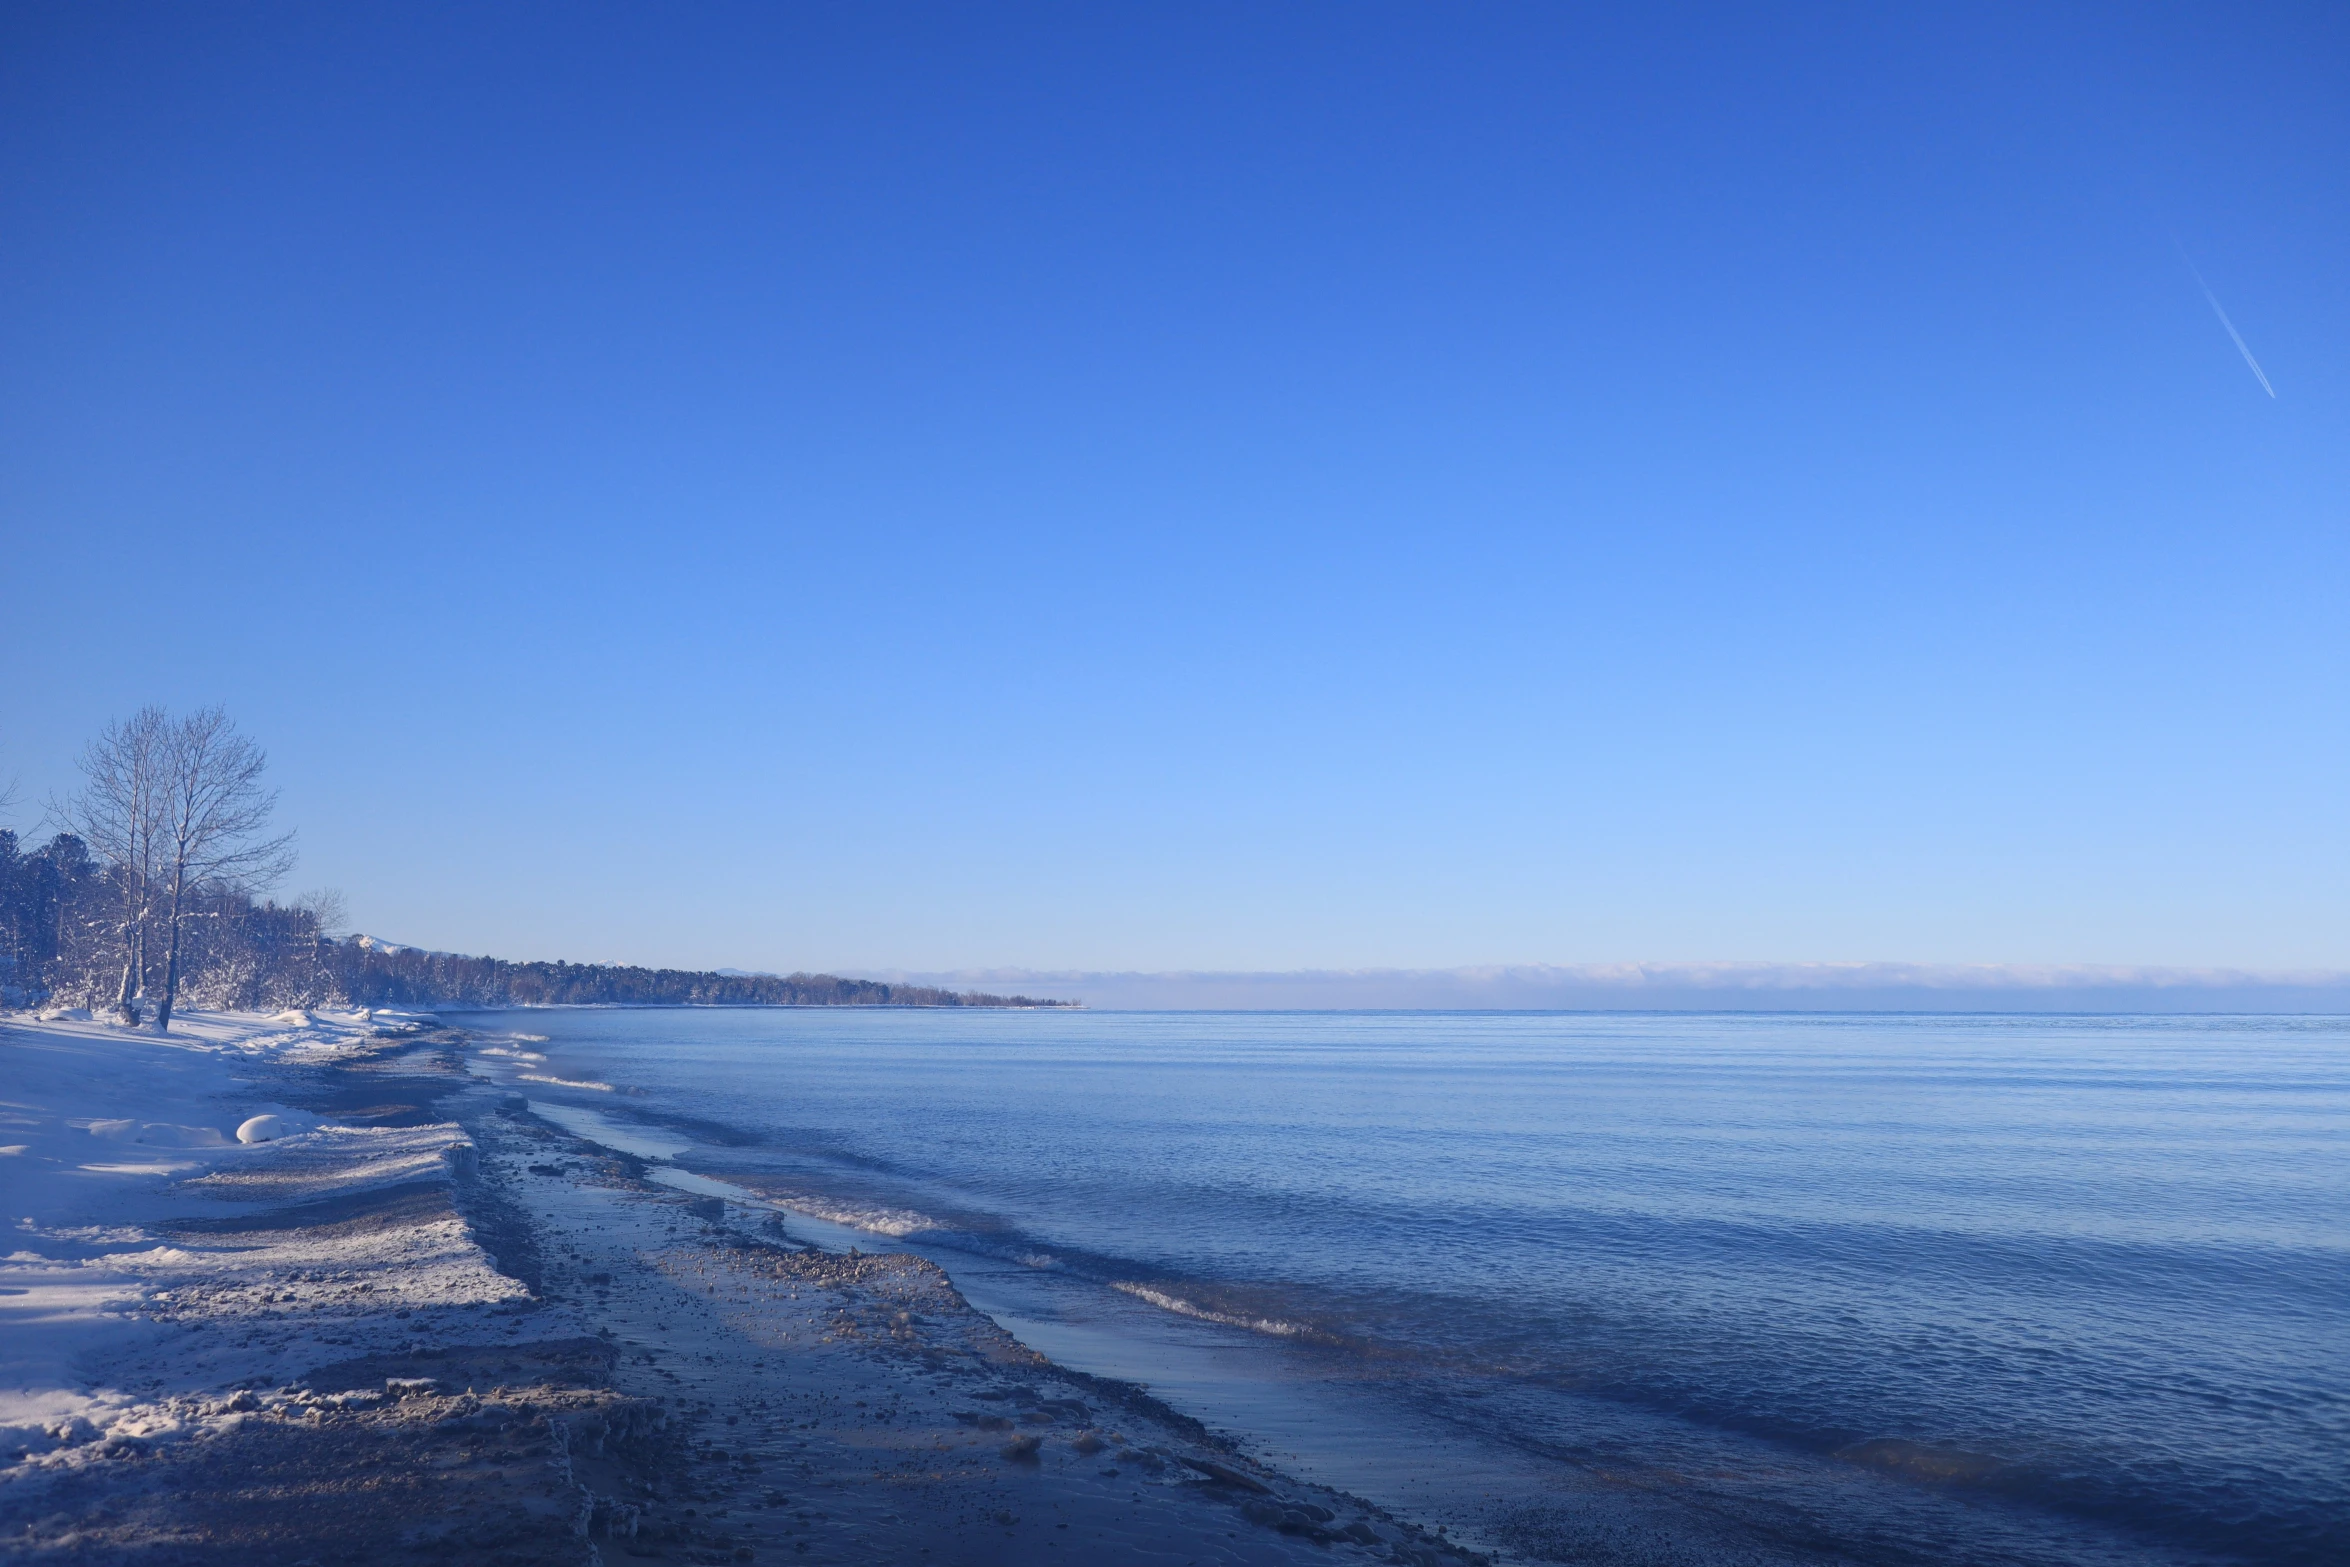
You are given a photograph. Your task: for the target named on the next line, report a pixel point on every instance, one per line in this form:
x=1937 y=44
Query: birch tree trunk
x=117 y=814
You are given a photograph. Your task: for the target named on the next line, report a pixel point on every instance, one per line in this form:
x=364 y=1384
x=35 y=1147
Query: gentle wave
x=564 y=1082
x=1184 y=1308
x=896 y=1223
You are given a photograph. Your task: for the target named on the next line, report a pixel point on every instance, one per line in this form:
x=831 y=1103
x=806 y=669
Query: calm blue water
x=1637 y=1288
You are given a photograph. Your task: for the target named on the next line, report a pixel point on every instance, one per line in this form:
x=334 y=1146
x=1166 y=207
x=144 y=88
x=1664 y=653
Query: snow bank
x=167 y=1226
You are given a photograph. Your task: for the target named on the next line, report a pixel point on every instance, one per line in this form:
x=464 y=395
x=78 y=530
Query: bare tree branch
x=214 y=812
x=327 y=910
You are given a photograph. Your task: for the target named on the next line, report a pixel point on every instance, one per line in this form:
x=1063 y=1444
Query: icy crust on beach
x=147 y=1246
x=318 y=1034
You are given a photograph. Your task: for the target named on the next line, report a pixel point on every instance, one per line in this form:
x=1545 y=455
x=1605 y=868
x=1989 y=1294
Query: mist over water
x=1646 y=1287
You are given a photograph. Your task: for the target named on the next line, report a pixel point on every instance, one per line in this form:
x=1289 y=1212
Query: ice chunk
x=270 y=1125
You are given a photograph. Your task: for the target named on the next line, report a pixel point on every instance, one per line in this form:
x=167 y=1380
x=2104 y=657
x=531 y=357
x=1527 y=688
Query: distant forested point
x=372 y=973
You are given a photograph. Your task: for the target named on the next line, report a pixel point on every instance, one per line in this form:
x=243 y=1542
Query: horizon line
x=1735 y=974
x=1681 y=987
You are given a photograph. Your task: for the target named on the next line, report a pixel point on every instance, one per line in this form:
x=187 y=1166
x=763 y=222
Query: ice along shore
x=408 y=1320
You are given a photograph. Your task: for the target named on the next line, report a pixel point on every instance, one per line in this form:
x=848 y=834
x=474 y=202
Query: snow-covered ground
x=159 y=1276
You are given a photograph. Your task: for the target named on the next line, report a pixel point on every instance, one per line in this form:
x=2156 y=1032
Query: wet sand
x=853 y=1408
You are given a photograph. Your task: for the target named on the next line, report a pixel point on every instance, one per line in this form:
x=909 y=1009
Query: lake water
x=1620 y=1288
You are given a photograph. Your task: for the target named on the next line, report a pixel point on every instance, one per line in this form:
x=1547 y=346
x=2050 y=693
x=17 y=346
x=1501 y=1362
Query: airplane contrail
x=2258 y=374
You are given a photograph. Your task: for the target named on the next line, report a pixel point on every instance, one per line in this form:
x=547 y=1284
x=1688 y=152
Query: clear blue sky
x=1232 y=486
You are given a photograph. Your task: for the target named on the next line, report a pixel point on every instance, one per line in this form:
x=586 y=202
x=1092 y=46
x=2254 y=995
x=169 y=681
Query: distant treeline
x=373 y=974
x=63 y=942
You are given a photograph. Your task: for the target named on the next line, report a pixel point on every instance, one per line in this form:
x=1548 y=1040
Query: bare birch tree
x=118 y=813
x=209 y=828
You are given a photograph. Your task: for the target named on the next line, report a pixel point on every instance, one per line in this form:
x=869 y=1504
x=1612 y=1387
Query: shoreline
x=439 y=1327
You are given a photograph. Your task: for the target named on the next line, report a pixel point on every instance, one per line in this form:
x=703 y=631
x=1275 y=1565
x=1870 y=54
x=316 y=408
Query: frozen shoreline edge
x=529 y=1229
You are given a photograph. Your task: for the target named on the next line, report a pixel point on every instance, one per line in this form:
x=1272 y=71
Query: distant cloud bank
x=1688 y=987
